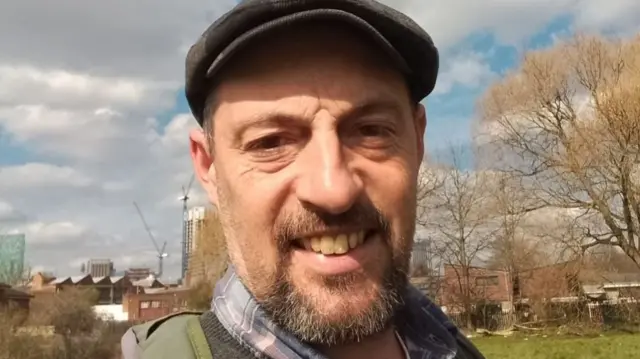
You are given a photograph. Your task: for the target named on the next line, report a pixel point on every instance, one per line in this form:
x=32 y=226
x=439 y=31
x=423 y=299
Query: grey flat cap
x=407 y=44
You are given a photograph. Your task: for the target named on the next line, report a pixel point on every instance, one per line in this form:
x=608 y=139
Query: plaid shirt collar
x=426 y=331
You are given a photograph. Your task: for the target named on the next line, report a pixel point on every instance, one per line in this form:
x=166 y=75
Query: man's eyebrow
x=277 y=118
x=377 y=105
x=269 y=119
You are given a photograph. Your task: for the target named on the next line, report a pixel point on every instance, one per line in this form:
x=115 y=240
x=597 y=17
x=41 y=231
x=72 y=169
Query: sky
x=92 y=113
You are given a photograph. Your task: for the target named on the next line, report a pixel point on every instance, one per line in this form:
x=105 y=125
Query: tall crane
x=185 y=214
x=161 y=254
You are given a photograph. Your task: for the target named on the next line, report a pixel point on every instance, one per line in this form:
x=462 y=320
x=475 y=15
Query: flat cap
x=407 y=44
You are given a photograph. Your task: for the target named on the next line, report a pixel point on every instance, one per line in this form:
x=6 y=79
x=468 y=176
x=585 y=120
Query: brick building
x=555 y=281
x=567 y=281
x=41 y=282
x=483 y=285
x=155 y=303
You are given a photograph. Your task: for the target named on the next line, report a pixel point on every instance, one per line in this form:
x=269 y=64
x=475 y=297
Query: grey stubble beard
x=289 y=308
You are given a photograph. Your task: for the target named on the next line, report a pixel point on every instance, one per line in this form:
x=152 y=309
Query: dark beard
x=294 y=312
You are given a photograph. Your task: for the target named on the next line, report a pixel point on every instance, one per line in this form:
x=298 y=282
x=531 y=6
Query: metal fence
x=491 y=322
x=600 y=315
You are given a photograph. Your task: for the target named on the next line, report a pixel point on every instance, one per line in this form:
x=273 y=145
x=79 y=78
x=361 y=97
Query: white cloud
x=62 y=88
x=54 y=233
x=175 y=134
x=32 y=175
x=618 y=16
x=8 y=215
x=469 y=70
x=511 y=22
x=6 y=209
x=141 y=39
x=451 y=21
x=79 y=116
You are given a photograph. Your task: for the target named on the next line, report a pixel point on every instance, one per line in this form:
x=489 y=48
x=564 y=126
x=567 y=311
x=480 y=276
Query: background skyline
x=92 y=113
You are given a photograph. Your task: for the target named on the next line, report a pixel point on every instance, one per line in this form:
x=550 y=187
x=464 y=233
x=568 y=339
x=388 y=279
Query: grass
x=608 y=346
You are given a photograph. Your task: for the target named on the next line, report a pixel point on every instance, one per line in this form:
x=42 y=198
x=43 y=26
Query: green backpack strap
x=198 y=340
x=186 y=335
x=173 y=336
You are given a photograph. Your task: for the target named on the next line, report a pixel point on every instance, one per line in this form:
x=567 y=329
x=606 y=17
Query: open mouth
x=337 y=244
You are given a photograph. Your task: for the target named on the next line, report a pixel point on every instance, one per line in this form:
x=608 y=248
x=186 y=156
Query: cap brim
x=305 y=16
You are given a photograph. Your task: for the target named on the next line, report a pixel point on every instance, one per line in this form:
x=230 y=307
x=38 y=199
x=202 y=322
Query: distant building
x=423 y=258
x=12 y=248
x=193 y=223
x=481 y=285
x=99 y=268
x=40 y=282
x=138 y=273
x=110 y=289
x=13 y=298
x=154 y=304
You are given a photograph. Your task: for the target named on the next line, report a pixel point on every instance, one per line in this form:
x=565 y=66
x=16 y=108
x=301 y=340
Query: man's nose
x=326 y=181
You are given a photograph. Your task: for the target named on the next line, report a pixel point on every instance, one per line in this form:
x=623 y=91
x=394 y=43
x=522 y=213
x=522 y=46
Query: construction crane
x=161 y=254
x=185 y=213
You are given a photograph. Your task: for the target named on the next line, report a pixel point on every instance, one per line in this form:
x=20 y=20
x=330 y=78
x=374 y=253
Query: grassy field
x=605 y=347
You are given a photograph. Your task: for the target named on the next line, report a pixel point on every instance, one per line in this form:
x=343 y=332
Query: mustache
x=291 y=226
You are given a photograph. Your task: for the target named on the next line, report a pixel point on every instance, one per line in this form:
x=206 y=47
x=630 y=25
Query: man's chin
x=338 y=302
x=335 y=319
x=338 y=309
x=327 y=293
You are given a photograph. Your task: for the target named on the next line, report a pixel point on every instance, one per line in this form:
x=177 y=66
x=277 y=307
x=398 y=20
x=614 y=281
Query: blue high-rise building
x=12 y=248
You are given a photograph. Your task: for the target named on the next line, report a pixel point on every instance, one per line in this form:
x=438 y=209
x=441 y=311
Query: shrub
x=60 y=326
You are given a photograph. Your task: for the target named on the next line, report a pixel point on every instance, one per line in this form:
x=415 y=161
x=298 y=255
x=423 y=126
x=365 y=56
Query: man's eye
x=269 y=146
x=268 y=143
x=374 y=131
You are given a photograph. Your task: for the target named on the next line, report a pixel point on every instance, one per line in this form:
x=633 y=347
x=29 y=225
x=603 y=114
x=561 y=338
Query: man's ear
x=420 y=123
x=203 y=163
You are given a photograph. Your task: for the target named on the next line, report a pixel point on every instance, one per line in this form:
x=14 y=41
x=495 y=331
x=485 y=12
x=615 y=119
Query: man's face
x=313 y=166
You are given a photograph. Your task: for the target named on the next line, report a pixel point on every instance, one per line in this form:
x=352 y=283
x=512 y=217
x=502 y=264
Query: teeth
x=339 y=244
x=354 y=240
x=315 y=244
x=326 y=245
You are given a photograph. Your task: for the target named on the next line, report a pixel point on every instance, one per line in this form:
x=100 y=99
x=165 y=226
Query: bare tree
x=514 y=247
x=60 y=325
x=69 y=311
x=455 y=214
x=570 y=117
x=430 y=180
x=612 y=260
